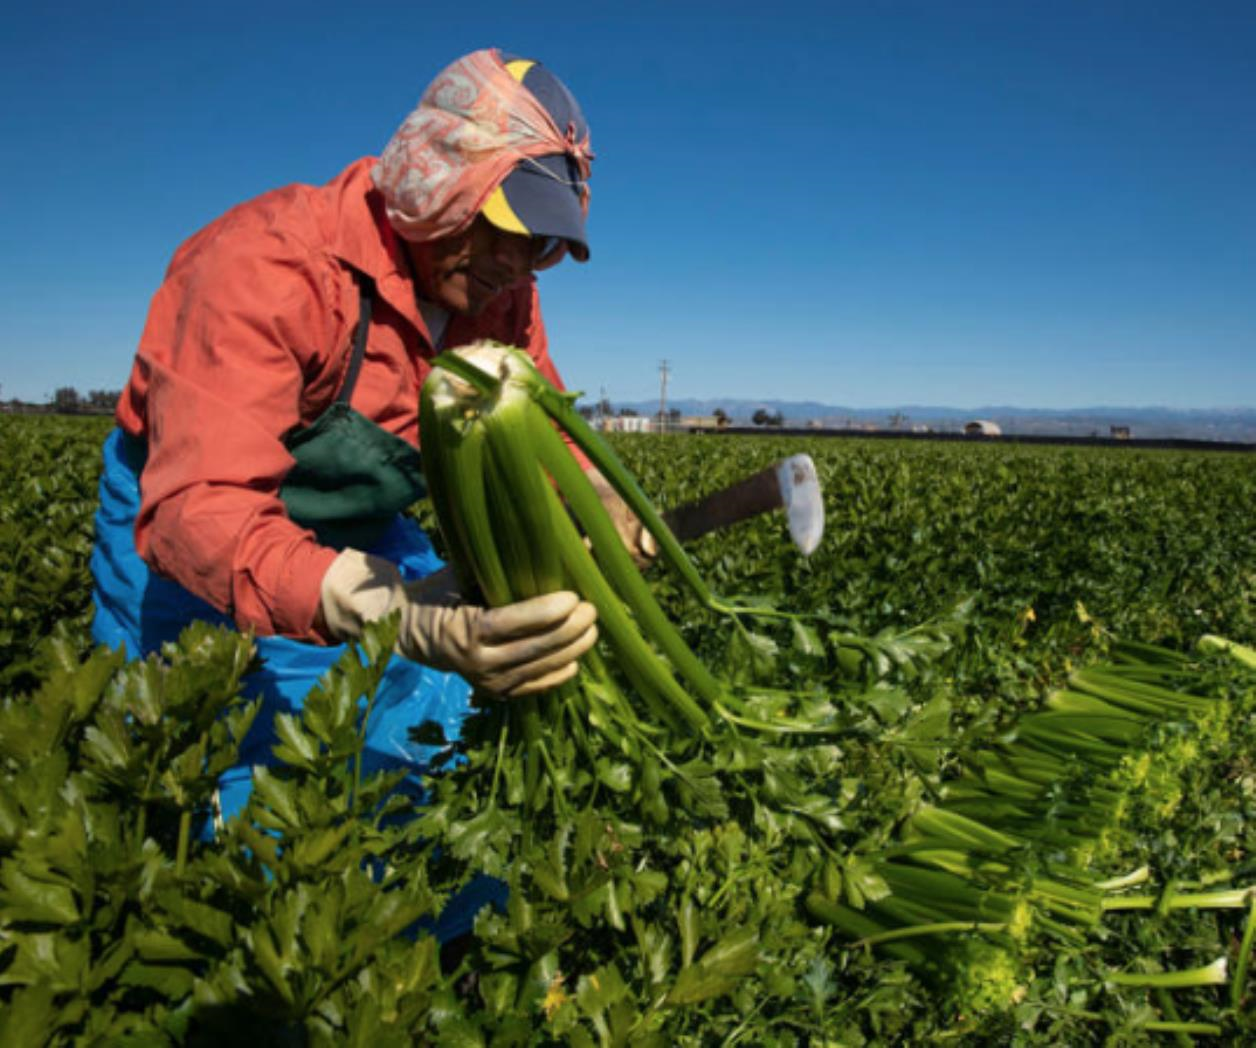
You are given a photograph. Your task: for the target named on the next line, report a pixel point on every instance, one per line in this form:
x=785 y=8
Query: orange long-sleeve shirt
x=249 y=336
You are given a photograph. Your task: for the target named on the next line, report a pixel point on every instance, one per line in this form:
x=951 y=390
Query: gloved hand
x=636 y=538
x=519 y=649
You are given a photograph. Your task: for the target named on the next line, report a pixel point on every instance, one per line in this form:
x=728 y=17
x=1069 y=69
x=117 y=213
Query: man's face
x=466 y=271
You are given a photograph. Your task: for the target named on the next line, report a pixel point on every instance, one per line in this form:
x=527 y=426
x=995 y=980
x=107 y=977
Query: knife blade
x=790 y=485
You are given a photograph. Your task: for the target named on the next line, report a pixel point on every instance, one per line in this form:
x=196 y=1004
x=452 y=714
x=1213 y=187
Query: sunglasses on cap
x=546 y=250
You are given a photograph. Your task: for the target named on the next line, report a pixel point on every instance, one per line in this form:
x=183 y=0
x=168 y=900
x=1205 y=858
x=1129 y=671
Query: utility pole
x=664 y=371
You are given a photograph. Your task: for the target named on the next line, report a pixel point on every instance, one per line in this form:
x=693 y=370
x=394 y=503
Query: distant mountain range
x=1229 y=424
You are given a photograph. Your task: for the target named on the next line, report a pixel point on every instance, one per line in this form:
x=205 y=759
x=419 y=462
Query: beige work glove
x=518 y=649
x=636 y=538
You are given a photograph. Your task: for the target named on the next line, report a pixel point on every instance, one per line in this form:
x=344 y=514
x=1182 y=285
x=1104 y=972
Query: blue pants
x=142 y=611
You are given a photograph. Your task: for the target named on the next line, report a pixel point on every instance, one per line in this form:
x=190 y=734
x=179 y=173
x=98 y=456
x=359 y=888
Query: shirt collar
x=364 y=239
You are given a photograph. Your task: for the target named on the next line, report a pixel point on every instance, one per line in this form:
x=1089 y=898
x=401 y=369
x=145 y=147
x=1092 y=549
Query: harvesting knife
x=790 y=485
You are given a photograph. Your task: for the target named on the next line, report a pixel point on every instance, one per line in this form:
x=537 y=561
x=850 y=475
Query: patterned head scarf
x=474 y=123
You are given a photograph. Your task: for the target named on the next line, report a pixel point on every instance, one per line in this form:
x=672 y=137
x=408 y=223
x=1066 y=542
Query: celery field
x=1025 y=820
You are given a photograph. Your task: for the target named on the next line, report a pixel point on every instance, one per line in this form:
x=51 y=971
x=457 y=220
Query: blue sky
x=1031 y=204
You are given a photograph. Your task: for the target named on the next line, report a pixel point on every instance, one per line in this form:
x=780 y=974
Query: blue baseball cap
x=542 y=196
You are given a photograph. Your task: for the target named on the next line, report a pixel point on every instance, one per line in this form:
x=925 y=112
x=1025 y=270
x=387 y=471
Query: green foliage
x=665 y=900
x=1156 y=544
x=47 y=498
x=124 y=920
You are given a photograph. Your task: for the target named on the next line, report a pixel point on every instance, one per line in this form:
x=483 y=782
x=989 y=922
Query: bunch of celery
x=520 y=519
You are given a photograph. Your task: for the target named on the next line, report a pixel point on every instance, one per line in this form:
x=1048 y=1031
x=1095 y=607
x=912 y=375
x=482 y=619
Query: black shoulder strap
x=366 y=298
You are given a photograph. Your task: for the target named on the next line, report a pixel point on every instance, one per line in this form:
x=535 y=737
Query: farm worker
x=267 y=440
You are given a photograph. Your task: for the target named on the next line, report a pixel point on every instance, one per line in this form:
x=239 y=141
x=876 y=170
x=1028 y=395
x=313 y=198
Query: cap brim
x=541 y=193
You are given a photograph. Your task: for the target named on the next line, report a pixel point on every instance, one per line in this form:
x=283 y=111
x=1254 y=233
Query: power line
x=664 y=371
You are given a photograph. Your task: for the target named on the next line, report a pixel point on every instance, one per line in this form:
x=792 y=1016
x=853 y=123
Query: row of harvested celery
x=1014 y=840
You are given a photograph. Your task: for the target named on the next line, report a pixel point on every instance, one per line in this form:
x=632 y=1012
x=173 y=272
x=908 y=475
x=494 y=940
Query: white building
x=627 y=424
